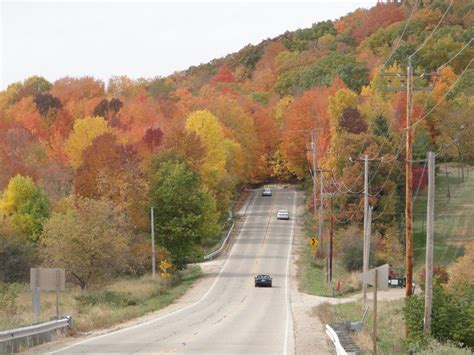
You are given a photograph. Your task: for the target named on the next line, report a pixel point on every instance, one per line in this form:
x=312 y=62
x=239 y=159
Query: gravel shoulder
x=310 y=336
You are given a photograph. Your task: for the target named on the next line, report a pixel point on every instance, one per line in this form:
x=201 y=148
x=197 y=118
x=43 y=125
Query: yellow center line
x=259 y=252
x=266 y=229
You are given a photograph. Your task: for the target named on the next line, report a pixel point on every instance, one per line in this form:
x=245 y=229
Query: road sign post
x=378 y=278
x=314 y=247
x=46 y=279
x=374 y=338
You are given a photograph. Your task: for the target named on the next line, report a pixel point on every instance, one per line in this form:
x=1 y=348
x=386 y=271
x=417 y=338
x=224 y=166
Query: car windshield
x=283 y=211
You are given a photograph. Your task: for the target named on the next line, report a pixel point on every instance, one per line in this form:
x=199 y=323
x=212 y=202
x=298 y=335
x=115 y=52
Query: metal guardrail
x=335 y=340
x=339 y=333
x=221 y=247
x=35 y=329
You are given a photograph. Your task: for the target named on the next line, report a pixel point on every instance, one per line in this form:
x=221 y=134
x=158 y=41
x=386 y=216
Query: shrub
x=440 y=275
x=352 y=254
x=452 y=317
x=436 y=348
x=8 y=299
x=16 y=257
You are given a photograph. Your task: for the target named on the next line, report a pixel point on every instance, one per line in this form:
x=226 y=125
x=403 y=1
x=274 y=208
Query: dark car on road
x=263 y=281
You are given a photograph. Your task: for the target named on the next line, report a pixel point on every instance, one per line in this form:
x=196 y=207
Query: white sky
x=141 y=39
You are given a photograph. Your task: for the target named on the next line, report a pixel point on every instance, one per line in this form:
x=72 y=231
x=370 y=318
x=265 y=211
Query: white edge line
x=169 y=314
x=287 y=295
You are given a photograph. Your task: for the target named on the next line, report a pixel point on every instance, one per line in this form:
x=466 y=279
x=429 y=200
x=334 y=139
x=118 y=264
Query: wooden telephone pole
x=329 y=246
x=331 y=236
x=409 y=184
x=408 y=165
x=429 y=243
x=367 y=221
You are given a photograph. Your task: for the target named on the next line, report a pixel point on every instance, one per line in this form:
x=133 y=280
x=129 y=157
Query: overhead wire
x=401 y=36
x=441 y=100
x=434 y=30
x=456 y=55
x=400 y=148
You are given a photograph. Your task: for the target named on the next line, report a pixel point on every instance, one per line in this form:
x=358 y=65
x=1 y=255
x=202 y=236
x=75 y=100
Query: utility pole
x=408 y=165
x=321 y=210
x=365 y=265
x=331 y=226
x=429 y=243
x=408 y=184
x=313 y=150
x=153 y=256
x=331 y=235
x=367 y=221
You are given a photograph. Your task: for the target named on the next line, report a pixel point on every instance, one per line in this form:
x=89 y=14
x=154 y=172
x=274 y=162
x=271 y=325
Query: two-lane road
x=232 y=317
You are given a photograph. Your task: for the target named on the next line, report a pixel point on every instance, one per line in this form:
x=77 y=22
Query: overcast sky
x=141 y=39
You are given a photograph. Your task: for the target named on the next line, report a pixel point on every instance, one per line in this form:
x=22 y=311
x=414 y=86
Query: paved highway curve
x=232 y=317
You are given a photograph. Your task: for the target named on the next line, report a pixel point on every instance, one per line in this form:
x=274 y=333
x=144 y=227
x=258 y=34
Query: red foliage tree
x=378 y=16
x=153 y=138
x=224 y=75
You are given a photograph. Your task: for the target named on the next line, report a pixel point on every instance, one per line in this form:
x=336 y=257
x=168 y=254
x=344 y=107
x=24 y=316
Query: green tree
x=36 y=84
x=301 y=39
x=89 y=240
x=324 y=70
x=184 y=215
x=16 y=258
x=26 y=206
x=380 y=126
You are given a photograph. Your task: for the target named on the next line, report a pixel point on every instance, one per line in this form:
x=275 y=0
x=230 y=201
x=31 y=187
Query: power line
x=442 y=99
x=458 y=53
x=403 y=33
x=434 y=30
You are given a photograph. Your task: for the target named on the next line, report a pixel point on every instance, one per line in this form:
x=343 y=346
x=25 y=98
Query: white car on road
x=283 y=214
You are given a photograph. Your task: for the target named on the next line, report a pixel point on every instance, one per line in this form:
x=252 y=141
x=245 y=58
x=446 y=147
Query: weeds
x=92 y=309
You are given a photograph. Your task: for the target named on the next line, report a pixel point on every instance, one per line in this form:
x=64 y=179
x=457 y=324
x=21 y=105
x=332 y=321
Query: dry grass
x=390 y=330
x=103 y=307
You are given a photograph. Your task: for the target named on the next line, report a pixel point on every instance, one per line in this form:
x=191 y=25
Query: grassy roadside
x=454 y=225
x=454 y=218
x=312 y=275
x=390 y=334
x=117 y=302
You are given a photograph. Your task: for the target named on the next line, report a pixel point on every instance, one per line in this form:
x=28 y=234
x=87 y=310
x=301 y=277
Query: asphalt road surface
x=232 y=317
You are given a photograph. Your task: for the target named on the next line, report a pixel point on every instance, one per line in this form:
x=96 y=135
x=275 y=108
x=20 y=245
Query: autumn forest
x=82 y=161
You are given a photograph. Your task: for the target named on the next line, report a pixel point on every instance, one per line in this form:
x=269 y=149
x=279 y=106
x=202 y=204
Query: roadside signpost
x=46 y=279
x=314 y=246
x=378 y=278
x=164 y=267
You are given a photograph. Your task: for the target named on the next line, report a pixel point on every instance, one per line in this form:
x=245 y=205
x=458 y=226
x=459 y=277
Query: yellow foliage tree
x=218 y=171
x=447 y=79
x=84 y=132
x=461 y=274
x=342 y=100
x=280 y=109
x=242 y=130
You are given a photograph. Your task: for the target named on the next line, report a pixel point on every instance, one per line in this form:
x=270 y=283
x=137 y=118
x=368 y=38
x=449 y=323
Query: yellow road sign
x=313 y=242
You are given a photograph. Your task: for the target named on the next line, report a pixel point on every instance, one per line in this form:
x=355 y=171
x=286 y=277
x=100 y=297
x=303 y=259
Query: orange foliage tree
x=307 y=112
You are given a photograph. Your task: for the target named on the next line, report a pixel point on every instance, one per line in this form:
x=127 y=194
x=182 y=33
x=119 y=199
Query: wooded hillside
x=86 y=160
